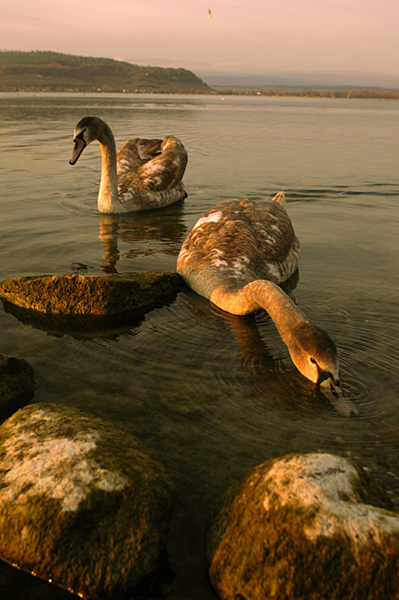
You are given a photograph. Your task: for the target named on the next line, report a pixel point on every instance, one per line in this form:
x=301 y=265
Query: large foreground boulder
x=81 y=502
x=305 y=527
x=17 y=383
x=74 y=295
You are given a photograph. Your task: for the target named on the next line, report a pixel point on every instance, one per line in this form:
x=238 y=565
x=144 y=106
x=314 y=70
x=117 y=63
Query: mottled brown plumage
x=237 y=242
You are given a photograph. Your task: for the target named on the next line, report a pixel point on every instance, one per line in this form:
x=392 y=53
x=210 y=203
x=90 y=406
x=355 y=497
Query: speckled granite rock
x=70 y=295
x=17 y=382
x=81 y=502
x=305 y=527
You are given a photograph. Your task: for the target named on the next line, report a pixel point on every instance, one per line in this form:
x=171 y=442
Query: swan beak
x=342 y=405
x=78 y=148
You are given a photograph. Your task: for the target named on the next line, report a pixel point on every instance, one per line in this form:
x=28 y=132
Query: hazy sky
x=242 y=36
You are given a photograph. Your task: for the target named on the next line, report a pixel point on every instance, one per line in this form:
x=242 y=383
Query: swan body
x=142 y=174
x=236 y=255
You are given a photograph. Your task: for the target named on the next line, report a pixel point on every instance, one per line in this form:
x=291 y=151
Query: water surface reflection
x=212 y=394
x=148 y=233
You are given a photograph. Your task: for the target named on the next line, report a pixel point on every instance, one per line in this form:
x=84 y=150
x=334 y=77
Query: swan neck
x=286 y=315
x=262 y=294
x=108 y=200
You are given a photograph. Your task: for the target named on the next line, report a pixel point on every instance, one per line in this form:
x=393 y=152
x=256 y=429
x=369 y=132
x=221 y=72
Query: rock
x=81 y=502
x=304 y=527
x=87 y=306
x=17 y=383
x=72 y=295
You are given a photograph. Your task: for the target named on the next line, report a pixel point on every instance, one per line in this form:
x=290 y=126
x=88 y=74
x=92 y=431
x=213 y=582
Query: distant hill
x=45 y=71
x=55 y=72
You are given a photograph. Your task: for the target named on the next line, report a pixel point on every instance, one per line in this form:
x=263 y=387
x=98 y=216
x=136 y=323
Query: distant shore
x=355 y=94
x=47 y=72
x=364 y=94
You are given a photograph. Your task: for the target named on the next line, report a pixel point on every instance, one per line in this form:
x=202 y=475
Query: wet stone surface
x=295 y=520
x=82 y=503
x=73 y=295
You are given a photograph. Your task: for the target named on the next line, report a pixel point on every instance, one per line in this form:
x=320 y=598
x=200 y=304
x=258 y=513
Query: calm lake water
x=213 y=394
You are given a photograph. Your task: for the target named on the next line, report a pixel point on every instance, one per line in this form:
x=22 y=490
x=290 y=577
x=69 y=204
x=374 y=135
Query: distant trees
x=40 y=70
x=293 y=93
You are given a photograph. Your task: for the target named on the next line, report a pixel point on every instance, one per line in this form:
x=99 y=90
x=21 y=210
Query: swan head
x=315 y=355
x=86 y=131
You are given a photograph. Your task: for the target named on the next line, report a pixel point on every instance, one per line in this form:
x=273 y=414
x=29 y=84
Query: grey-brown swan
x=236 y=255
x=142 y=174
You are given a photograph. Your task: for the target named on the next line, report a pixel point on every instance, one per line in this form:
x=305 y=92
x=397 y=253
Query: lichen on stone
x=327 y=482
x=68 y=295
x=58 y=467
x=296 y=528
x=81 y=502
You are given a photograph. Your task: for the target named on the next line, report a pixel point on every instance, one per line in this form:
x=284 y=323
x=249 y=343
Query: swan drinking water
x=143 y=174
x=236 y=255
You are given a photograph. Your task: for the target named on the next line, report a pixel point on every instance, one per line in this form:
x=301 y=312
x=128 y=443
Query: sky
x=250 y=37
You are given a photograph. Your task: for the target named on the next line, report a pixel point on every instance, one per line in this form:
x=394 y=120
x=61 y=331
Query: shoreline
x=353 y=94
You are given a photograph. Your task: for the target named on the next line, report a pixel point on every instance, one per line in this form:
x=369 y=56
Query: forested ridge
x=53 y=71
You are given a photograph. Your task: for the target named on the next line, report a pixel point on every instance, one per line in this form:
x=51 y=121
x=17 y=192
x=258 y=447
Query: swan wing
x=166 y=169
x=136 y=152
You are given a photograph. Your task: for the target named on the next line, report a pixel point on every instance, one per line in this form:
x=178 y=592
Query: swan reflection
x=141 y=234
x=266 y=372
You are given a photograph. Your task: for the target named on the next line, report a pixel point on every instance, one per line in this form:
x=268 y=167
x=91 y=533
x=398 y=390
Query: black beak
x=80 y=145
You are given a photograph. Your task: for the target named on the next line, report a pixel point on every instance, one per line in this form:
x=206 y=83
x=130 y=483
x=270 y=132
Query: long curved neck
x=261 y=294
x=108 y=201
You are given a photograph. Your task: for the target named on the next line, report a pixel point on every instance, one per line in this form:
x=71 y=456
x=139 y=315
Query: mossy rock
x=73 y=295
x=81 y=502
x=17 y=383
x=304 y=527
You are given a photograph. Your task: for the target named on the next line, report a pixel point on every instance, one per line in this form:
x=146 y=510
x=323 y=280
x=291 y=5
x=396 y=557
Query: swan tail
x=280 y=199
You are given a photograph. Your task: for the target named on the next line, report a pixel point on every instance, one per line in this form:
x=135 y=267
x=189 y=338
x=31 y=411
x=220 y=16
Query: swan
x=143 y=174
x=236 y=255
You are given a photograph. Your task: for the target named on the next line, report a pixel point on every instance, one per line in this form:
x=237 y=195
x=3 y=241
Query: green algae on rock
x=73 y=295
x=17 y=383
x=81 y=502
x=304 y=527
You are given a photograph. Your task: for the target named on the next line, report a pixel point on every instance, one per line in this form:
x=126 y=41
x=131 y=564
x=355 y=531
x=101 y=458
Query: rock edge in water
x=88 y=295
x=81 y=502
x=304 y=526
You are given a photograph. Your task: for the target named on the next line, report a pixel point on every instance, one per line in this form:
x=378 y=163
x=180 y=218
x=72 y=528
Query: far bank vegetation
x=45 y=71
x=39 y=71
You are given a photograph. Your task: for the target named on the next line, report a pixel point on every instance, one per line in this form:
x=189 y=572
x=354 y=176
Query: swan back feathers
x=239 y=241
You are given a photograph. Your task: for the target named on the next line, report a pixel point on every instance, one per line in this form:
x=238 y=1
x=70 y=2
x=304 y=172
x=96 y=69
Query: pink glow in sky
x=242 y=36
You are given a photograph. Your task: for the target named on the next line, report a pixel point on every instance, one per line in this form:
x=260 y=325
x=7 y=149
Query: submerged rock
x=74 y=295
x=17 y=383
x=81 y=502
x=305 y=527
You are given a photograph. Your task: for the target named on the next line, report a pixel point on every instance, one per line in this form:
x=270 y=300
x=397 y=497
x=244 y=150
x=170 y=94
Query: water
x=213 y=394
